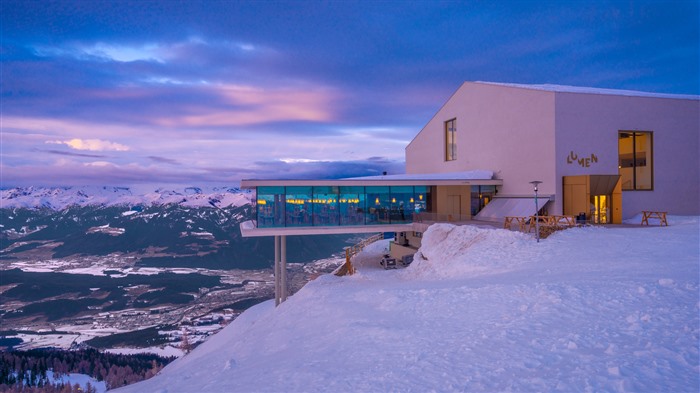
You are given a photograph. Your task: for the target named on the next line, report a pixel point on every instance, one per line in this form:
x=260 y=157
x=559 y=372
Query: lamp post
x=535 y=183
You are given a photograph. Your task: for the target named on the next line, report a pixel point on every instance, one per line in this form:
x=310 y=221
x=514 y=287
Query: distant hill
x=190 y=227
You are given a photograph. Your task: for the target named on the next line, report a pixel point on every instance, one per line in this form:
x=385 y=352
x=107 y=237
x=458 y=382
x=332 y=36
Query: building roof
x=593 y=90
x=476 y=177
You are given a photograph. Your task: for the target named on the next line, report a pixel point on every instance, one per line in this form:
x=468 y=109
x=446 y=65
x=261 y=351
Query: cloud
x=312 y=169
x=67 y=153
x=92 y=145
x=164 y=160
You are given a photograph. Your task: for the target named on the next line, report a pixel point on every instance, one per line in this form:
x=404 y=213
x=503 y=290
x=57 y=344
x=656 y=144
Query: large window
x=635 y=160
x=296 y=206
x=451 y=140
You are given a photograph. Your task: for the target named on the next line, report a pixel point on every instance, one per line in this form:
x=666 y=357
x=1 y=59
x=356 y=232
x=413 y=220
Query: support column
x=283 y=268
x=277 y=270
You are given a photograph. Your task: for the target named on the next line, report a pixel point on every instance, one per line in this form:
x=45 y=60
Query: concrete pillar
x=283 y=268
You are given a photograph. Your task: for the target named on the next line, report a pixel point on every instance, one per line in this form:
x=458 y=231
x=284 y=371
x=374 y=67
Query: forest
x=29 y=371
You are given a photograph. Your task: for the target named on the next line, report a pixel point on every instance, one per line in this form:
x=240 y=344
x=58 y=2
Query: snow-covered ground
x=588 y=309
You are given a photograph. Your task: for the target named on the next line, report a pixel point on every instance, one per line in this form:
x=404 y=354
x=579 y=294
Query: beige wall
x=589 y=124
x=504 y=129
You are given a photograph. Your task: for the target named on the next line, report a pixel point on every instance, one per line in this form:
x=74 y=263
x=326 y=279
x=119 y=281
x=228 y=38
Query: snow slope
x=588 y=309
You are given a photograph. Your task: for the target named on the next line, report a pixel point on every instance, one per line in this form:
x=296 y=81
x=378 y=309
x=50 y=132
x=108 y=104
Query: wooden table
x=646 y=215
x=552 y=221
x=520 y=220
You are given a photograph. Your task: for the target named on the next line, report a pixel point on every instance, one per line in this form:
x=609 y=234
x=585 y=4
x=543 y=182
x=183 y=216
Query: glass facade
x=481 y=196
x=300 y=206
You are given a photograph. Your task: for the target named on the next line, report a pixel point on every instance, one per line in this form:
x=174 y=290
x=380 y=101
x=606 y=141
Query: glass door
x=600 y=209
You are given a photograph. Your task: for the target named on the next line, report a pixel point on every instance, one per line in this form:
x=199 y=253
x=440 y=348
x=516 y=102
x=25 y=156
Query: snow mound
x=450 y=251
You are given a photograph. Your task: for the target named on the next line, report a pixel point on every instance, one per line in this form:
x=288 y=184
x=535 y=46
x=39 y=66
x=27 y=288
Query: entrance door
x=598 y=196
x=600 y=208
x=454 y=207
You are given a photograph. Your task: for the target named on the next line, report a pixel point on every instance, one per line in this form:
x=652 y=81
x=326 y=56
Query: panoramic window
x=635 y=160
x=451 y=140
x=325 y=206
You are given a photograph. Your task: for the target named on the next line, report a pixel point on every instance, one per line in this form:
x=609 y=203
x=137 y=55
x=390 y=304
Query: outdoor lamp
x=535 y=183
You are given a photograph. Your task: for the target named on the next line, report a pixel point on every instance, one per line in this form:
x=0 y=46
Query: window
x=635 y=160
x=451 y=140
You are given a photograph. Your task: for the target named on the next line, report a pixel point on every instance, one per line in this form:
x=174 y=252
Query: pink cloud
x=92 y=145
x=253 y=105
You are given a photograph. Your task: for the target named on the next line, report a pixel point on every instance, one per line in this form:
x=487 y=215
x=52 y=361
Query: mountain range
x=188 y=227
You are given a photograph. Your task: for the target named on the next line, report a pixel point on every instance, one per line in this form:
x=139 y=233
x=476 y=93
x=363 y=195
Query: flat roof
x=477 y=177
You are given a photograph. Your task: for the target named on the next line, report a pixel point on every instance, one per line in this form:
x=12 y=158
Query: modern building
x=603 y=154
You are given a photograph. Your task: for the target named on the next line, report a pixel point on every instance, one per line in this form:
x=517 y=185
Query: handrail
x=351 y=251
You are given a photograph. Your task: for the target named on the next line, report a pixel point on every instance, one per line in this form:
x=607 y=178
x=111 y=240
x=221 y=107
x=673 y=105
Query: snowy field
x=588 y=309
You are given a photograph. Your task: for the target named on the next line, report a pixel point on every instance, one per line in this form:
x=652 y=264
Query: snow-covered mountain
x=59 y=198
x=587 y=309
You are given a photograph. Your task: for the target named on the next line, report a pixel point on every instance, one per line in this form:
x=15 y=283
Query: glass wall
x=298 y=206
x=270 y=206
x=352 y=207
x=378 y=205
x=325 y=206
x=402 y=198
x=481 y=196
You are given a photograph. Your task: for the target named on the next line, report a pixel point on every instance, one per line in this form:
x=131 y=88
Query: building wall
x=587 y=126
x=504 y=129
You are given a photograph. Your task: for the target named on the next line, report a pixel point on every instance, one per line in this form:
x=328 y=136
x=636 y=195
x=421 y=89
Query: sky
x=210 y=92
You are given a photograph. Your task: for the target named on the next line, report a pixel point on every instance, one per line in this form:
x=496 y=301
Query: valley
x=157 y=272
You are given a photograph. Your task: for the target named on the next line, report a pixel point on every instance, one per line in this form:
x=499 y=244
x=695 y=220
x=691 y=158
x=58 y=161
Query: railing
x=347 y=268
x=440 y=217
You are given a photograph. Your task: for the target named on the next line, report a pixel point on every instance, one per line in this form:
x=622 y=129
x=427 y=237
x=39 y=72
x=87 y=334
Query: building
x=577 y=141
x=601 y=155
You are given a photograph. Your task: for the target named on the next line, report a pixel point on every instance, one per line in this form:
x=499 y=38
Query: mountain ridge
x=59 y=198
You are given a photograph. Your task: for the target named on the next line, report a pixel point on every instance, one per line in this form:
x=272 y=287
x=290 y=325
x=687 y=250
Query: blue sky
x=209 y=92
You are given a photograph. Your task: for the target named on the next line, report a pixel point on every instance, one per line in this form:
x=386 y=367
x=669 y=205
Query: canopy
x=501 y=207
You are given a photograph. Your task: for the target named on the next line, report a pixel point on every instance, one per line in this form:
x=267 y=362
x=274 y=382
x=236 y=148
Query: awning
x=501 y=207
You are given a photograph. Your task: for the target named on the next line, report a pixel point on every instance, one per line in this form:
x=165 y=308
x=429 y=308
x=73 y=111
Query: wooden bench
x=646 y=215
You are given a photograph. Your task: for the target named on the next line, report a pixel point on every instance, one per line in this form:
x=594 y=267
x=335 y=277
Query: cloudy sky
x=209 y=92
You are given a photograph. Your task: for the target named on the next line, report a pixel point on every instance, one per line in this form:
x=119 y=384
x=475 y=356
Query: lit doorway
x=600 y=209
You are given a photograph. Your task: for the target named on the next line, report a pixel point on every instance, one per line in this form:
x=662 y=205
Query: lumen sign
x=584 y=161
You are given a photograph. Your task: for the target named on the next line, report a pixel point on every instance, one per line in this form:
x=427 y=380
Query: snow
x=478 y=174
x=480 y=309
x=59 y=198
x=80 y=379
x=167 y=351
x=594 y=90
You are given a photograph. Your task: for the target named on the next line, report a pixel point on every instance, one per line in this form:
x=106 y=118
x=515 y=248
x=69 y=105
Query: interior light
x=411 y=200
x=420 y=197
x=376 y=201
x=393 y=200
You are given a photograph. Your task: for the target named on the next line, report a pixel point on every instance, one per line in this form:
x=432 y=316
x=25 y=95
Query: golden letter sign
x=585 y=162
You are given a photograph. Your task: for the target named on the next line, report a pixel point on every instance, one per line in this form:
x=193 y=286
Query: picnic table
x=646 y=215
